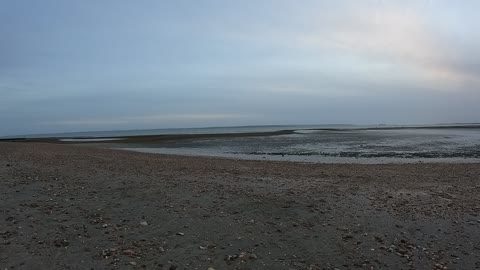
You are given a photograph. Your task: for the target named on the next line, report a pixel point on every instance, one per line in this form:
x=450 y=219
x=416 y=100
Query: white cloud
x=389 y=43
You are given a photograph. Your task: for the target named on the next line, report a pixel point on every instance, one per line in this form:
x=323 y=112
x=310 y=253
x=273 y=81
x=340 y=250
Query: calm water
x=166 y=131
x=206 y=130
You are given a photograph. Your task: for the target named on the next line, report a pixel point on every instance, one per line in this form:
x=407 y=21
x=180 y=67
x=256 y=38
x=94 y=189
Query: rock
x=144 y=223
x=132 y=263
x=8 y=165
x=210 y=268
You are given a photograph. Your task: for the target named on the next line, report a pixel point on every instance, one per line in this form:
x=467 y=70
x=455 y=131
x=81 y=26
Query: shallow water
x=91 y=140
x=347 y=146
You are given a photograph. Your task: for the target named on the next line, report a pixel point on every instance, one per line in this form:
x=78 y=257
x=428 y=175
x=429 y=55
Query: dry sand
x=73 y=207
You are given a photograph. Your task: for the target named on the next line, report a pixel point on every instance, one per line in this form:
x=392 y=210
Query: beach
x=67 y=206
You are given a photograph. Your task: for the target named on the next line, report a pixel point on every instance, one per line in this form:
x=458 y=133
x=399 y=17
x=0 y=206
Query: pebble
x=231 y=257
x=439 y=266
x=128 y=252
x=144 y=223
x=61 y=243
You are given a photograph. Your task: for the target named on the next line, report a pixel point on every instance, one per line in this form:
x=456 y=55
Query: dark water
x=360 y=146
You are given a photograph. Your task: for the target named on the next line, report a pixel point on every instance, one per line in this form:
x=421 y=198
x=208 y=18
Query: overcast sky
x=112 y=64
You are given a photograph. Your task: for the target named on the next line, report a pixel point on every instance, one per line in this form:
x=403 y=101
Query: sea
x=309 y=143
x=174 y=131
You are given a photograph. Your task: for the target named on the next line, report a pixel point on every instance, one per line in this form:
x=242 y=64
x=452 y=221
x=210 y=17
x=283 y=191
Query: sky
x=112 y=64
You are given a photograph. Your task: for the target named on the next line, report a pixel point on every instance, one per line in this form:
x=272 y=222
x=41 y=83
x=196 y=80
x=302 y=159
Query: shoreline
x=69 y=206
x=252 y=145
x=168 y=137
x=300 y=158
x=151 y=138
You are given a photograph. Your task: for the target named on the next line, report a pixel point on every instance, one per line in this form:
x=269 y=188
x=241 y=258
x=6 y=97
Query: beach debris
x=210 y=268
x=61 y=242
x=230 y=258
x=439 y=266
x=379 y=239
x=144 y=223
x=180 y=233
x=108 y=252
x=242 y=256
x=132 y=263
x=129 y=252
x=202 y=247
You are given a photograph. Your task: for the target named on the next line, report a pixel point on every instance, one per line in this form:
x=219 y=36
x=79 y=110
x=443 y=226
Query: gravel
x=75 y=207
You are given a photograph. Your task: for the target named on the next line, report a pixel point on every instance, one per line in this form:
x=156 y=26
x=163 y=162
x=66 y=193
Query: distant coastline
x=216 y=132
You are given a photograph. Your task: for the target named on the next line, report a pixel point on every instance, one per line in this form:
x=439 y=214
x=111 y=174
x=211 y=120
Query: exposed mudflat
x=75 y=207
x=365 y=146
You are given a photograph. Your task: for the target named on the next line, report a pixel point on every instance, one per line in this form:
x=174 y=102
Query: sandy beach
x=77 y=207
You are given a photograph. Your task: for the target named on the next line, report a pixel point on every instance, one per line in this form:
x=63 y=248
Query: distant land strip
x=175 y=137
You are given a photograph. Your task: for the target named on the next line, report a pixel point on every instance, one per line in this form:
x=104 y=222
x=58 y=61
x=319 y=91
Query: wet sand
x=142 y=139
x=451 y=144
x=77 y=207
